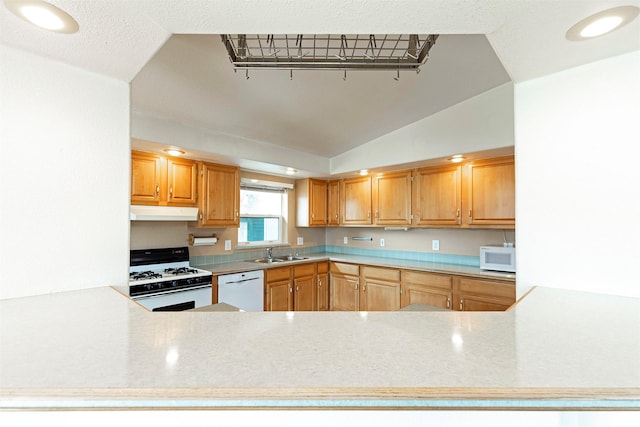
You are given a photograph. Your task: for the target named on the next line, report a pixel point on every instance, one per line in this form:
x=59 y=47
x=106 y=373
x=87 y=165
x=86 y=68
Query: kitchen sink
x=272 y=260
x=269 y=260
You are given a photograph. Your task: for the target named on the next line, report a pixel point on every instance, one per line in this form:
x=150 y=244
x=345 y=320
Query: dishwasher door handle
x=241 y=281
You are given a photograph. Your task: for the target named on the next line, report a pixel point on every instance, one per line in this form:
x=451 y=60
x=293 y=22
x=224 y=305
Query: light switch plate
x=300 y=241
x=435 y=245
x=227 y=245
x=381 y=242
x=346 y=240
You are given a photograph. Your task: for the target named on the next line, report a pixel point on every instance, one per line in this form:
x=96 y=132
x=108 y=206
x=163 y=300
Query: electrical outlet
x=381 y=242
x=346 y=240
x=227 y=245
x=435 y=245
x=300 y=241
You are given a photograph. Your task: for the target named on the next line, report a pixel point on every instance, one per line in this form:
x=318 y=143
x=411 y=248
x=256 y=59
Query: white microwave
x=498 y=258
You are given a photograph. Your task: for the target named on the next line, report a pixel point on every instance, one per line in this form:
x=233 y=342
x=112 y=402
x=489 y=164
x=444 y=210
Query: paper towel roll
x=202 y=241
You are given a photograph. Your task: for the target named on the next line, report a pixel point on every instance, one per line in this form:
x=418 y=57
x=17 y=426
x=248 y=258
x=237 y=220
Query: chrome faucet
x=269 y=253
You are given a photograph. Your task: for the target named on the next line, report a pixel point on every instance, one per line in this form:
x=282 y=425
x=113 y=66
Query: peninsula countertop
x=96 y=348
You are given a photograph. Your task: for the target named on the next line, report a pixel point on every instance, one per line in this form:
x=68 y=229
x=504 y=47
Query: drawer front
x=344 y=268
x=387 y=274
x=304 y=270
x=485 y=287
x=279 y=273
x=429 y=279
x=323 y=267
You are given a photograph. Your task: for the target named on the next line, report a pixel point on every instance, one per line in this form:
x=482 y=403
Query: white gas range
x=163 y=280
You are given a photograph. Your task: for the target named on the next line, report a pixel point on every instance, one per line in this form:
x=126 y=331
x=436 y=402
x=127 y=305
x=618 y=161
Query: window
x=261 y=215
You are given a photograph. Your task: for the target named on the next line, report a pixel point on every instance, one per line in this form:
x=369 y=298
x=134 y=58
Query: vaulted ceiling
x=171 y=53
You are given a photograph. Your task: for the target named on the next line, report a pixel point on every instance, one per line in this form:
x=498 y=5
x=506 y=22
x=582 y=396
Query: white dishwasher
x=242 y=290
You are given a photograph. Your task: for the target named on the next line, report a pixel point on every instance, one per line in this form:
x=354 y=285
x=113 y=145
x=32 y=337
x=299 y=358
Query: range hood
x=162 y=213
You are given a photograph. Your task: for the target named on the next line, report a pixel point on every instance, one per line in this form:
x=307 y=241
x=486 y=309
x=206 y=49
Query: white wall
x=578 y=179
x=64 y=177
x=483 y=122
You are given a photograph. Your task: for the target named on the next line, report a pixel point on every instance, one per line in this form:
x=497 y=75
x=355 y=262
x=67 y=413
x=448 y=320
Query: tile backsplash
x=472 y=261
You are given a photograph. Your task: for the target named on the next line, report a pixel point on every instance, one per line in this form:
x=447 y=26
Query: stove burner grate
x=180 y=270
x=144 y=275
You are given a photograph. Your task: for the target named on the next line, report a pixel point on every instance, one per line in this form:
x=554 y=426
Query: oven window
x=177 y=307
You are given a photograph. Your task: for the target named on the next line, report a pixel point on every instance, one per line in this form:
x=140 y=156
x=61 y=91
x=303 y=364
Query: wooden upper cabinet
x=146 y=177
x=333 y=203
x=311 y=203
x=392 y=198
x=182 y=182
x=356 y=201
x=220 y=200
x=489 y=193
x=437 y=196
x=160 y=180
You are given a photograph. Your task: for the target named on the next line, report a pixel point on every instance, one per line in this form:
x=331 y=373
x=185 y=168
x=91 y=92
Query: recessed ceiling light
x=363 y=172
x=173 y=151
x=456 y=159
x=291 y=171
x=602 y=23
x=43 y=15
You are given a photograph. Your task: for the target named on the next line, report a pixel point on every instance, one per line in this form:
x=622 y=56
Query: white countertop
x=96 y=348
x=436 y=267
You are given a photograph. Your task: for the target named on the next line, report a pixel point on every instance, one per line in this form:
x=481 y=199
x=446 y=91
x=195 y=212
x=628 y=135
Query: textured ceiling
x=118 y=38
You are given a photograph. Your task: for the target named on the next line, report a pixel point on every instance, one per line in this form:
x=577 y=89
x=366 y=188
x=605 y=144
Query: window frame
x=282 y=234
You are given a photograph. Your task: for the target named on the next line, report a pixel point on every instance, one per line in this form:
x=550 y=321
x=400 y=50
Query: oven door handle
x=161 y=293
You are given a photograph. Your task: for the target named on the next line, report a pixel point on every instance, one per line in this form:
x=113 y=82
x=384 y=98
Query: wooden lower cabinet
x=470 y=294
x=322 y=281
x=344 y=289
x=380 y=290
x=340 y=286
x=291 y=288
x=426 y=288
x=214 y=290
x=278 y=291
x=304 y=287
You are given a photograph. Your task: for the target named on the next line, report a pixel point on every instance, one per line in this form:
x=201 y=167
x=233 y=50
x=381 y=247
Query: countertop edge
x=497 y=398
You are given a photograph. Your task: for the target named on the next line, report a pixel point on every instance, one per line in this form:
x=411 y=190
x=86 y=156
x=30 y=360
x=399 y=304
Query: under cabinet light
x=173 y=151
